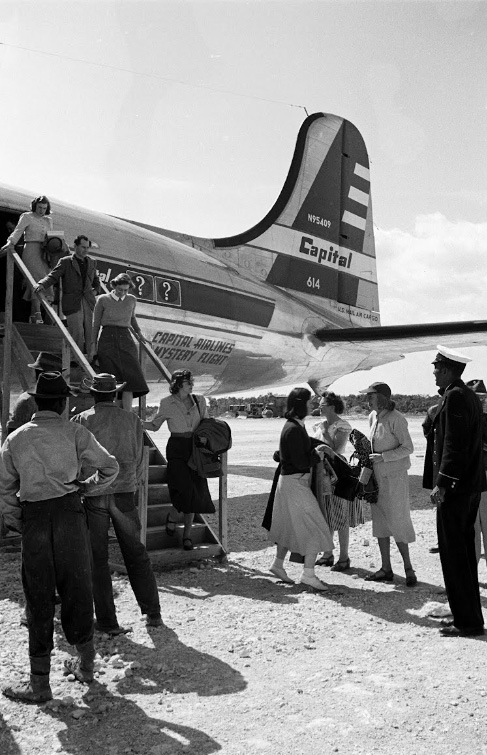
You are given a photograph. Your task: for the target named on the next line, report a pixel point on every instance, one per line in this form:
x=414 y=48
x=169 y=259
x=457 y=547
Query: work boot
x=83 y=666
x=38 y=689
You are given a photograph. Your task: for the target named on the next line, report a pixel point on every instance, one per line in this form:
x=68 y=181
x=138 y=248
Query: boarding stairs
x=21 y=343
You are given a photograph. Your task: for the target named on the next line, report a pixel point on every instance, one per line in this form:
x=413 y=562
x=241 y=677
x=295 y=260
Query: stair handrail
x=80 y=357
x=153 y=356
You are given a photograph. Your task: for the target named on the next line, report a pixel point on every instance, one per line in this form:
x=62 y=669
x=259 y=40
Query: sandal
x=170 y=527
x=325 y=561
x=187 y=544
x=381 y=576
x=411 y=578
x=341 y=565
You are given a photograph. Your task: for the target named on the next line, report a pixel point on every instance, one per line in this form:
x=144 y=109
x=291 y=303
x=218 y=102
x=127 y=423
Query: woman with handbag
x=183 y=412
x=334 y=432
x=391 y=448
x=297 y=522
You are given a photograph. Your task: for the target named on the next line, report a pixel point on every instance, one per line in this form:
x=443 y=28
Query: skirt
x=297 y=521
x=37 y=267
x=188 y=491
x=391 y=515
x=117 y=355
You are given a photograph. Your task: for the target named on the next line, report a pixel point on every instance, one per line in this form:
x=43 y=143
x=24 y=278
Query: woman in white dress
x=334 y=432
x=34 y=226
x=297 y=522
x=391 y=450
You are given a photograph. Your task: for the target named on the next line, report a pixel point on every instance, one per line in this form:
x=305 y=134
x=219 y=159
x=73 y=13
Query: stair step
x=157 y=473
x=157 y=514
x=157 y=539
x=180 y=556
x=158 y=493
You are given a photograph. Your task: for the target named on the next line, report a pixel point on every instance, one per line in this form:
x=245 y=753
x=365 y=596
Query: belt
x=181 y=435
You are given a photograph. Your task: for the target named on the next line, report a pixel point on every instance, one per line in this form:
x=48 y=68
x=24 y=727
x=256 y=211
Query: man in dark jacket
x=454 y=470
x=79 y=285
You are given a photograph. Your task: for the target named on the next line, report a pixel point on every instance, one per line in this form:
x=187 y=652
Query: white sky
x=174 y=113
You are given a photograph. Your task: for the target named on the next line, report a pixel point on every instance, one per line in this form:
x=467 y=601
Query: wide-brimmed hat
x=104 y=383
x=47 y=362
x=381 y=388
x=51 y=385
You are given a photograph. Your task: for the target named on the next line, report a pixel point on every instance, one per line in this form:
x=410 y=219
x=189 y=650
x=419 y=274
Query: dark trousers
x=455 y=522
x=56 y=555
x=120 y=508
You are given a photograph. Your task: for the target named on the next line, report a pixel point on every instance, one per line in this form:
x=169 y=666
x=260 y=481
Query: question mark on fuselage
x=140 y=283
x=167 y=287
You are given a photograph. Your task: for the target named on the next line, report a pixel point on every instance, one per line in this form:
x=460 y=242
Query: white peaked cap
x=451 y=355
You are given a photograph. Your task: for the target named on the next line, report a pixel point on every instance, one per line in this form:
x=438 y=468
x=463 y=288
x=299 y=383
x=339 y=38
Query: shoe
x=325 y=561
x=341 y=565
x=154 y=621
x=381 y=576
x=187 y=544
x=281 y=574
x=83 y=665
x=453 y=631
x=446 y=622
x=73 y=666
x=112 y=631
x=411 y=578
x=434 y=549
x=38 y=690
x=313 y=582
x=23 y=619
x=36 y=319
x=170 y=527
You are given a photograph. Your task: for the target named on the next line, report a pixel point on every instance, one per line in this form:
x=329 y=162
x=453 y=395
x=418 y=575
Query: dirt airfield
x=247 y=665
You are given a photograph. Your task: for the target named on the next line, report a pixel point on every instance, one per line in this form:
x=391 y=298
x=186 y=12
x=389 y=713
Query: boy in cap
x=121 y=433
x=40 y=498
x=454 y=470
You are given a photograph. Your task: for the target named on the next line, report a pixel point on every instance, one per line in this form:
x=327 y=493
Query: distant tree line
x=354 y=403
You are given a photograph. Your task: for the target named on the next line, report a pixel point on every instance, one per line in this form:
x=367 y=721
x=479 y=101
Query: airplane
x=292 y=300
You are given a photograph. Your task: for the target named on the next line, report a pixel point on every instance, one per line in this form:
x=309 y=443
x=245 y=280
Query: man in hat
x=25 y=406
x=453 y=469
x=80 y=284
x=40 y=497
x=121 y=433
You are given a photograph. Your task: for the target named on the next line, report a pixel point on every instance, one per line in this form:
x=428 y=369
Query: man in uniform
x=454 y=470
x=40 y=462
x=121 y=433
x=80 y=283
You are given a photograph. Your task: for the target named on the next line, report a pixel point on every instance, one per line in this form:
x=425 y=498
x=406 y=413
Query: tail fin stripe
x=361 y=171
x=358 y=196
x=351 y=219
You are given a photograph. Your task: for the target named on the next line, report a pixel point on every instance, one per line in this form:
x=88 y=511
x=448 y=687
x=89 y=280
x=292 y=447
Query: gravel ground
x=248 y=665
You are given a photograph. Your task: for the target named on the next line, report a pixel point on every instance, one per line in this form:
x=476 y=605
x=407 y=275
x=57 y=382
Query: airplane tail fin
x=317 y=241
